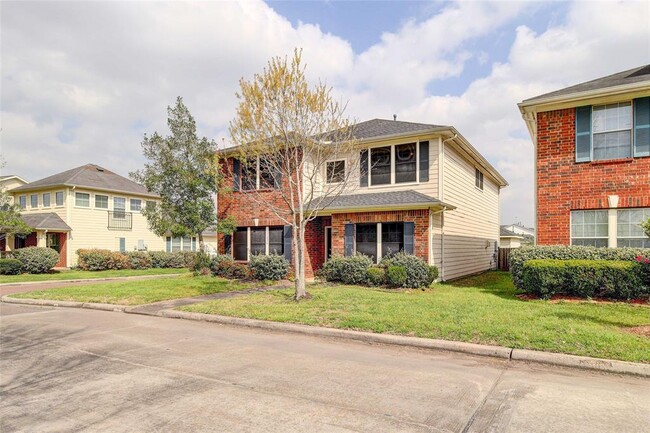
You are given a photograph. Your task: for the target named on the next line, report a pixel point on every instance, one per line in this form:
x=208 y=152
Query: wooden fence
x=504 y=259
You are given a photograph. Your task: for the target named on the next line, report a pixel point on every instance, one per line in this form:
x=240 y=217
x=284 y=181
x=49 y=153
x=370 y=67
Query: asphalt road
x=73 y=370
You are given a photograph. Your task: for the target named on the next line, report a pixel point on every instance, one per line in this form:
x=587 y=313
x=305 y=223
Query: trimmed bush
x=396 y=276
x=138 y=260
x=614 y=279
x=238 y=271
x=201 y=263
x=519 y=256
x=376 y=276
x=272 y=267
x=644 y=269
x=10 y=266
x=36 y=260
x=348 y=270
x=433 y=274
x=220 y=264
x=101 y=260
x=417 y=270
x=160 y=259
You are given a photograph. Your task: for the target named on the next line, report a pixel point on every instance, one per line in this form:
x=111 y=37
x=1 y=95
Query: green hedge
x=614 y=279
x=418 y=274
x=519 y=256
x=101 y=260
x=272 y=267
x=348 y=270
x=10 y=266
x=36 y=260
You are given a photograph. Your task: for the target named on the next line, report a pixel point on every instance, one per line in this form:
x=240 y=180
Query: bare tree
x=286 y=132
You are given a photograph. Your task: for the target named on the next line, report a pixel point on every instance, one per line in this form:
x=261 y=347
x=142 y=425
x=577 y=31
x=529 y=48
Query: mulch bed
x=561 y=298
x=643 y=330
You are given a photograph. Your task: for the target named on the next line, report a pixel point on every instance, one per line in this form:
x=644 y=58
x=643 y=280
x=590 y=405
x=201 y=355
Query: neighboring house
x=509 y=239
x=87 y=207
x=10 y=182
x=425 y=190
x=592 y=161
x=527 y=234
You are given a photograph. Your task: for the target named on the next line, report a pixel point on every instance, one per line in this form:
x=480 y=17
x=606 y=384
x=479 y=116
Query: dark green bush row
x=36 y=260
x=10 y=266
x=272 y=267
x=520 y=255
x=101 y=260
x=614 y=279
x=399 y=270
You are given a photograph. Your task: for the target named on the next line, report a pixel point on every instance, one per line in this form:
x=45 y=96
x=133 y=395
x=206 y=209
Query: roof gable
x=377 y=128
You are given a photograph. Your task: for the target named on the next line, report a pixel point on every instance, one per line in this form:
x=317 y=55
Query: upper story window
x=589 y=228
x=46 y=199
x=59 y=198
x=82 y=199
x=33 y=201
x=150 y=204
x=253 y=175
x=478 y=178
x=628 y=228
x=101 y=201
x=135 y=204
x=395 y=164
x=335 y=171
x=22 y=201
x=613 y=131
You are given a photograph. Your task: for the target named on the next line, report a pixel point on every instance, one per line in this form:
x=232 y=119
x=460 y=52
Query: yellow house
x=85 y=207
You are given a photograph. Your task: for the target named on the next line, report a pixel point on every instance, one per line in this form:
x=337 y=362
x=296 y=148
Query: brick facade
x=564 y=185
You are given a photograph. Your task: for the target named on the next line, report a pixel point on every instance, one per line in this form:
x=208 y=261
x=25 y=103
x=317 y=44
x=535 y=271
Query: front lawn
x=139 y=291
x=481 y=309
x=75 y=274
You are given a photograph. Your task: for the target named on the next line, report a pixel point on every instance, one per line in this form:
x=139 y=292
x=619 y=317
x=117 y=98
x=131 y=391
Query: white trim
x=393 y=181
x=378 y=253
x=345 y=168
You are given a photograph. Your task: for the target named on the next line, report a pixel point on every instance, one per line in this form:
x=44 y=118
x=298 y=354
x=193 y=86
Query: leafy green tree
x=10 y=221
x=182 y=170
x=646 y=227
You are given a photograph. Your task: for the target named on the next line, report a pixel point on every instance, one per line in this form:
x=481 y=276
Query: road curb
x=88 y=280
x=68 y=304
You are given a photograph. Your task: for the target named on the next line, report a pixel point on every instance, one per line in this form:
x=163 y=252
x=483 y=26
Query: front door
x=328 y=243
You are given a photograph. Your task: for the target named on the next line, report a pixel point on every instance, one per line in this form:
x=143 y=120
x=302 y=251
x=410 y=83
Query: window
x=52 y=240
x=150 y=204
x=267 y=180
x=185 y=243
x=262 y=239
x=478 y=181
x=380 y=158
x=46 y=199
x=119 y=207
x=335 y=171
x=589 y=228
x=612 y=131
x=136 y=205
x=22 y=201
x=392 y=238
x=256 y=174
x=628 y=228
x=82 y=199
x=276 y=240
x=258 y=240
x=101 y=201
x=366 y=238
x=249 y=176
x=59 y=198
x=240 y=243
x=176 y=244
x=405 y=163
x=33 y=199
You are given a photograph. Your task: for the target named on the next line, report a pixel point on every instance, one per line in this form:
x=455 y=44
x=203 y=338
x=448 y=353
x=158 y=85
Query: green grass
x=74 y=275
x=139 y=291
x=480 y=309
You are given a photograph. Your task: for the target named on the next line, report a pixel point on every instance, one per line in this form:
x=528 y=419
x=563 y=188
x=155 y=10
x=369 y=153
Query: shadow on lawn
x=586 y=317
x=495 y=283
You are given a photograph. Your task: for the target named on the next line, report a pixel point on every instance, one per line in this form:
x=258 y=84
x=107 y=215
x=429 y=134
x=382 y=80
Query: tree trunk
x=201 y=244
x=299 y=261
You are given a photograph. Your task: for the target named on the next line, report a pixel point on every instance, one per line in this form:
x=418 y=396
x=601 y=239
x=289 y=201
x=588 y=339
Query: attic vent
x=643 y=71
x=100 y=169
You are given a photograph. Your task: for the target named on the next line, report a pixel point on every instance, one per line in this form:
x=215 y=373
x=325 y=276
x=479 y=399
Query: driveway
x=93 y=371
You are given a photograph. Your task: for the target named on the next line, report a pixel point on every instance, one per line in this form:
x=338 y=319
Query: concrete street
x=73 y=370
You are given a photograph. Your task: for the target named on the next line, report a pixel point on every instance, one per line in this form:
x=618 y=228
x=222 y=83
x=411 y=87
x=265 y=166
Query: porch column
x=41 y=239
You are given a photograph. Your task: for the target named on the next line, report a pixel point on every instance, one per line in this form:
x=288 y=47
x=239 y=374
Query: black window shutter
x=642 y=127
x=363 y=168
x=409 y=230
x=236 y=175
x=227 y=242
x=424 y=161
x=287 y=237
x=349 y=240
x=583 y=133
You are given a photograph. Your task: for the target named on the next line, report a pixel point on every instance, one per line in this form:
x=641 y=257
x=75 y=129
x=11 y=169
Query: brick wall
x=564 y=185
x=419 y=217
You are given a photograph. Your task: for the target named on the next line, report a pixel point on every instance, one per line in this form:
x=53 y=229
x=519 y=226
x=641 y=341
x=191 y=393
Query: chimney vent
x=394 y=116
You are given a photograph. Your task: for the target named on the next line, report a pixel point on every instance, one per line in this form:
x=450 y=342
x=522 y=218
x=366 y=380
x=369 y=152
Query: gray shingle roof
x=381 y=127
x=42 y=221
x=636 y=75
x=88 y=176
x=504 y=232
x=397 y=199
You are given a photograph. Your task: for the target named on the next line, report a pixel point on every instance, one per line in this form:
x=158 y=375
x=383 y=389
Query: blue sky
x=82 y=82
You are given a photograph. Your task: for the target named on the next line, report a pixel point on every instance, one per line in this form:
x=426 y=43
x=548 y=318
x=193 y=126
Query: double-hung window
x=82 y=199
x=589 y=228
x=258 y=173
x=380 y=165
x=252 y=241
x=59 y=198
x=405 y=163
x=22 y=201
x=34 y=201
x=135 y=204
x=119 y=207
x=46 y=199
x=366 y=240
x=240 y=243
x=185 y=243
x=335 y=171
x=395 y=164
x=478 y=178
x=628 y=228
x=613 y=131
x=101 y=201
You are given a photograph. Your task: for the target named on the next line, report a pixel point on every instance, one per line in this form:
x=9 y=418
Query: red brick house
x=592 y=161
x=419 y=188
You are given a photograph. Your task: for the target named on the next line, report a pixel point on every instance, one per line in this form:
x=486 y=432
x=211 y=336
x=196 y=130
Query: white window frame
x=49 y=199
x=22 y=201
x=333 y=161
x=76 y=199
x=107 y=201
x=56 y=198
x=479 y=178
x=607 y=131
x=181 y=242
x=642 y=236
x=572 y=236
x=392 y=165
x=131 y=200
x=31 y=201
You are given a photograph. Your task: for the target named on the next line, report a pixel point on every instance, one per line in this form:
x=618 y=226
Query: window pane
x=380 y=166
x=266 y=175
x=335 y=171
x=366 y=237
x=589 y=228
x=392 y=238
x=612 y=145
x=82 y=199
x=240 y=243
x=46 y=199
x=34 y=200
x=249 y=176
x=628 y=230
x=101 y=201
x=59 y=198
x=405 y=163
x=22 y=200
x=258 y=240
x=176 y=244
x=136 y=205
x=119 y=204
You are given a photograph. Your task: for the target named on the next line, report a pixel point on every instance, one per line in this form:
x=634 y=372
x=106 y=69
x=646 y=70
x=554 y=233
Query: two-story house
x=592 y=161
x=86 y=207
x=419 y=188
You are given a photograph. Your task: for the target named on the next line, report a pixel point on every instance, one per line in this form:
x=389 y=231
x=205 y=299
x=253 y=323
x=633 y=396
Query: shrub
x=348 y=270
x=101 y=260
x=36 y=260
x=433 y=274
x=563 y=252
x=271 y=267
x=644 y=269
x=396 y=276
x=220 y=264
x=186 y=258
x=238 y=271
x=417 y=270
x=201 y=263
x=376 y=276
x=138 y=260
x=10 y=266
x=613 y=279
